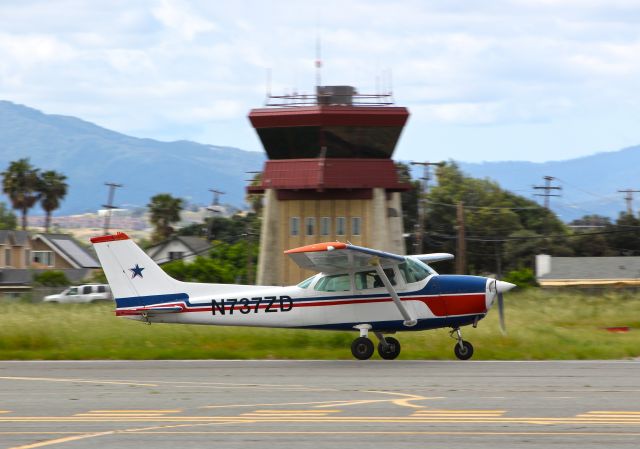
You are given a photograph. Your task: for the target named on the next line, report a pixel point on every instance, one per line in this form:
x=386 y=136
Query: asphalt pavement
x=319 y=404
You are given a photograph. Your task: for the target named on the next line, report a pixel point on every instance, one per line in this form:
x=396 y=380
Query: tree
x=53 y=189
x=20 y=183
x=165 y=210
x=7 y=218
x=495 y=221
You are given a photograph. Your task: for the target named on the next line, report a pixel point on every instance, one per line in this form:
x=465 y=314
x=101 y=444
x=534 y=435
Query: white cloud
x=173 y=67
x=180 y=17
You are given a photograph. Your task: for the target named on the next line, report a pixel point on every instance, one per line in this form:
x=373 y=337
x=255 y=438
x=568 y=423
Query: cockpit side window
x=370 y=279
x=334 y=283
x=412 y=271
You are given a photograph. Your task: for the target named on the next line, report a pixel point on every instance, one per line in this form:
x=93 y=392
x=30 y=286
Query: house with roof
x=24 y=255
x=178 y=247
x=620 y=271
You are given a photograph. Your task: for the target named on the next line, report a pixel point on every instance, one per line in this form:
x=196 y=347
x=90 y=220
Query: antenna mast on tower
x=318 y=63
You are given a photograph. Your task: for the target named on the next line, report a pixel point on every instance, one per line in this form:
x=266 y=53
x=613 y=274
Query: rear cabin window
x=101 y=289
x=334 y=283
x=370 y=279
x=86 y=290
x=412 y=271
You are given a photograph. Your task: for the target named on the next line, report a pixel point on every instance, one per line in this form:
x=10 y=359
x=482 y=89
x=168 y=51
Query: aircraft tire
x=464 y=353
x=392 y=349
x=362 y=348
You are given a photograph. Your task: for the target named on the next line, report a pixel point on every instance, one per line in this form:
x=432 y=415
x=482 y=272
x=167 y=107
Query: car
x=82 y=294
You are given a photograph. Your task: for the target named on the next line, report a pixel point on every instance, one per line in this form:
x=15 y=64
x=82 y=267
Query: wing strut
x=409 y=320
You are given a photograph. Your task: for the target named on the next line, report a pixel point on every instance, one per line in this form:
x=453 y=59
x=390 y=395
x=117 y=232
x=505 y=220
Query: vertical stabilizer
x=129 y=270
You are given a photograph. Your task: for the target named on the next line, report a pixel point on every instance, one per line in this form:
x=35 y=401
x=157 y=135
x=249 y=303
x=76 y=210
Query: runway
x=319 y=404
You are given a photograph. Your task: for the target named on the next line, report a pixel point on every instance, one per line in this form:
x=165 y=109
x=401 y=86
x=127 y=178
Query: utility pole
x=216 y=196
x=547 y=187
x=214 y=210
x=629 y=199
x=461 y=250
x=109 y=206
x=422 y=203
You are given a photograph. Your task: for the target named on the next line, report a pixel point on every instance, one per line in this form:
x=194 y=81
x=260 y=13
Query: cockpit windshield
x=306 y=282
x=413 y=271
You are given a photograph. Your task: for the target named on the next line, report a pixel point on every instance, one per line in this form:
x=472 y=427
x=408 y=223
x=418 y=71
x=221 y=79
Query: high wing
x=433 y=257
x=335 y=257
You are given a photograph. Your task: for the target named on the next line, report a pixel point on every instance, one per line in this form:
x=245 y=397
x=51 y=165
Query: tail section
x=129 y=270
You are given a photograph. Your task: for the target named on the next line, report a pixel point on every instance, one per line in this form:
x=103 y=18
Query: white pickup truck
x=82 y=294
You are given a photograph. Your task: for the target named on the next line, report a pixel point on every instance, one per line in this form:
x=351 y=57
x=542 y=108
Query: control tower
x=329 y=176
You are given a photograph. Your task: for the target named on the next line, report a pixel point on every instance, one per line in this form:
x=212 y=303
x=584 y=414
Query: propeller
x=503 y=326
x=501 y=287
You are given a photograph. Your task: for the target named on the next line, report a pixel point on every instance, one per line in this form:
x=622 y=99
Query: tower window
x=310 y=226
x=325 y=225
x=355 y=226
x=340 y=225
x=295 y=225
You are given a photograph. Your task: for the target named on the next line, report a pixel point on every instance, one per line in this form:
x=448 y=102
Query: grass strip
x=541 y=325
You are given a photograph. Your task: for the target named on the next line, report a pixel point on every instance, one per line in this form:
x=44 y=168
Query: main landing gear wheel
x=362 y=348
x=463 y=350
x=391 y=350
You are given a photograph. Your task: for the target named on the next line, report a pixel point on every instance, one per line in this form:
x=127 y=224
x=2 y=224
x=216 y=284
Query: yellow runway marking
x=267 y=405
x=289 y=413
x=84 y=436
x=63 y=440
x=291 y=418
x=406 y=399
x=136 y=411
x=378 y=432
x=86 y=381
x=128 y=413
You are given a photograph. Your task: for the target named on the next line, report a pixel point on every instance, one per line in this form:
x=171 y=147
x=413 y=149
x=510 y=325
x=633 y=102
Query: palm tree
x=20 y=183
x=53 y=189
x=164 y=210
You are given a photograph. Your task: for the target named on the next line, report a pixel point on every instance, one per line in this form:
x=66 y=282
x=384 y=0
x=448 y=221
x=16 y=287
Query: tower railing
x=331 y=99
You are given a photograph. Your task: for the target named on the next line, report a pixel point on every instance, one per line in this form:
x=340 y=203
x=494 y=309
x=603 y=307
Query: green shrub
x=51 y=278
x=523 y=278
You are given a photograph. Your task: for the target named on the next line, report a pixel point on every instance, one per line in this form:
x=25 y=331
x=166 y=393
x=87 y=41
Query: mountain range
x=90 y=155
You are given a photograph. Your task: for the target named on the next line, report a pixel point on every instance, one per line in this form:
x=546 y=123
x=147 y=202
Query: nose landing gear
x=463 y=349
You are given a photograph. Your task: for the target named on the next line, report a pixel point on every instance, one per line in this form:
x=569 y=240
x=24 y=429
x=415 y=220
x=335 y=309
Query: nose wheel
x=463 y=349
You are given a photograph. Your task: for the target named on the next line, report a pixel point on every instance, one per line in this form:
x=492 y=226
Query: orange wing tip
x=317 y=247
x=110 y=238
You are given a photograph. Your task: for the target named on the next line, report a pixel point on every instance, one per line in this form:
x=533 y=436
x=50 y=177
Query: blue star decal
x=137 y=271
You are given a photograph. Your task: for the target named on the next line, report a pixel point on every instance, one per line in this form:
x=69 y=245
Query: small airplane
x=356 y=288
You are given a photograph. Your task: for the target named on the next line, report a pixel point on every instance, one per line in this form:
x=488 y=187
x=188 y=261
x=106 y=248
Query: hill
x=90 y=155
x=589 y=184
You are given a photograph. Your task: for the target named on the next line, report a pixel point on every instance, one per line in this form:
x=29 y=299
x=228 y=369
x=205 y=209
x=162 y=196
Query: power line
x=629 y=199
x=484 y=207
x=547 y=187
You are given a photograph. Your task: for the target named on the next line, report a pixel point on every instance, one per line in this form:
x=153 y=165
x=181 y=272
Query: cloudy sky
x=492 y=80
